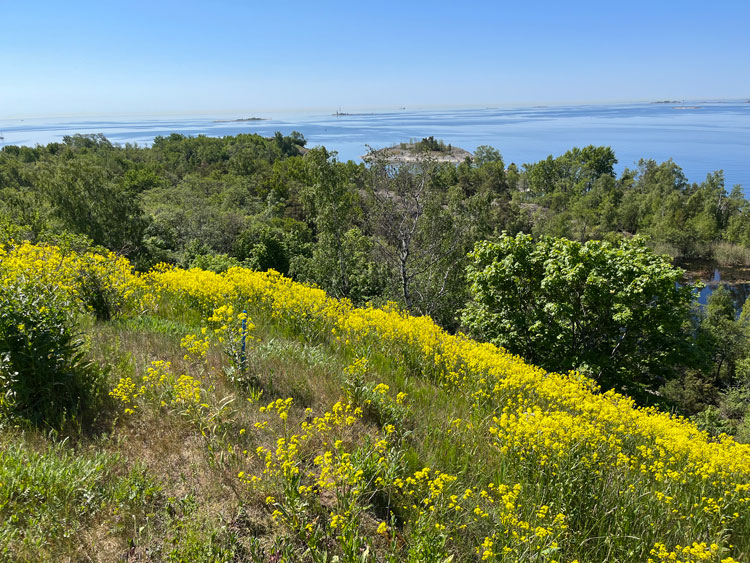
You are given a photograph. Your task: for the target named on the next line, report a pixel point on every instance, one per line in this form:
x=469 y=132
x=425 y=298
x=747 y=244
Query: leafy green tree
x=573 y=173
x=728 y=335
x=341 y=253
x=263 y=248
x=615 y=311
x=88 y=201
x=719 y=394
x=485 y=154
x=365 y=278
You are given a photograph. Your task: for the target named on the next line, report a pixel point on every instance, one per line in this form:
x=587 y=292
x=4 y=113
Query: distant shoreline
x=240 y=120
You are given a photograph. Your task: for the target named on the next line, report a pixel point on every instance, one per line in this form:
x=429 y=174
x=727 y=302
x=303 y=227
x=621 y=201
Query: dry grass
x=729 y=254
x=173 y=449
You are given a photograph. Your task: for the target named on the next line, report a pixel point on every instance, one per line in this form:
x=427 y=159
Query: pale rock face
x=407 y=153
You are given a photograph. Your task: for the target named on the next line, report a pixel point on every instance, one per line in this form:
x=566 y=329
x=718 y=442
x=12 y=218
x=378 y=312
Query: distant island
x=414 y=150
x=241 y=120
x=668 y=102
x=343 y=113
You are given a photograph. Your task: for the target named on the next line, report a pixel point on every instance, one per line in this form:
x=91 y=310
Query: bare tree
x=413 y=230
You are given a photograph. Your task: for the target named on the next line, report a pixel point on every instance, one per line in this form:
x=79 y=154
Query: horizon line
x=373 y=109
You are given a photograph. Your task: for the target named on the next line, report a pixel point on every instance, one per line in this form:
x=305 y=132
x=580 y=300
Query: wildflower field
x=243 y=416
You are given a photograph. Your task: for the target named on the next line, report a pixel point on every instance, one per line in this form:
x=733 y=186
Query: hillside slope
x=307 y=428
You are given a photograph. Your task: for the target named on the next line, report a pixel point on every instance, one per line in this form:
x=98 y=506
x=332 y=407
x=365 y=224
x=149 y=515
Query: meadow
x=243 y=416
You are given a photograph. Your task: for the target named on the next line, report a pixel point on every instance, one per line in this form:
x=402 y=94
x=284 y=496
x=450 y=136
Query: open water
x=699 y=136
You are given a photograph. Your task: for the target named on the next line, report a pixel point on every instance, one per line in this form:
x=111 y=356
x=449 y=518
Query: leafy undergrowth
x=310 y=430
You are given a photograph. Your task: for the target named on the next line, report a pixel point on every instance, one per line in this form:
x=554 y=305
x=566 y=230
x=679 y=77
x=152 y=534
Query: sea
x=700 y=136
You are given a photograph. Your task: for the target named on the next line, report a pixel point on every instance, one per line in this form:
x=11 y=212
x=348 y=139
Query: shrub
x=218 y=263
x=711 y=421
x=615 y=311
x=44 y=377
x=690 y=393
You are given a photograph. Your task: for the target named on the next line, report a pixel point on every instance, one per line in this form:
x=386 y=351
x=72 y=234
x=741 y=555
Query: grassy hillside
x=307 y=429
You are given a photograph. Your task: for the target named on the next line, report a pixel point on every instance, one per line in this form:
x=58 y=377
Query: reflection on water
x=736 y=280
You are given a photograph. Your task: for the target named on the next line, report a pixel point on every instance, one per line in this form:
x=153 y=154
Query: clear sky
x=104 y=56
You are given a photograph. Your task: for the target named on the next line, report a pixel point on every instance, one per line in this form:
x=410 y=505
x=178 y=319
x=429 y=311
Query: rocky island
x=413 y=151
x=242 y=119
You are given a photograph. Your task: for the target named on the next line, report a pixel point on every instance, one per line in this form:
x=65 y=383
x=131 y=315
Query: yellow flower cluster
x=229 y=323
x=281 y=406
x=197 y=288
x=284 y=460
x=72 y=274
x=187 y=391
x=158 y=387
x=195 y=346
x=694 y=553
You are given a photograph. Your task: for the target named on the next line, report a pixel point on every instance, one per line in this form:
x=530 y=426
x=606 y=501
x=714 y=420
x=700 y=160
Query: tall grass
x=730 y=254
x=51 y=496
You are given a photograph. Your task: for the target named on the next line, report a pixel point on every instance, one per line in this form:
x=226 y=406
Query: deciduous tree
x=615 y=311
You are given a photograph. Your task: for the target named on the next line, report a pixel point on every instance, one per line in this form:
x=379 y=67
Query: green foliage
x=613 y=311
x=345 y=270
x=710 y=420
x=430 y=144
x=50 y=494
x=423 y=226
x=718 y=394
x=580 y=198
x=214 y=262
x=88 y=200
x=264 y=247
x=485 y=155
x=692 y=393
x=44 y=375
x=728 y=335
x=291 y=145
x=341 y=258
x=572 y=173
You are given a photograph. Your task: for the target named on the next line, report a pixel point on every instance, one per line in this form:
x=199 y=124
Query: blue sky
x=60 y=58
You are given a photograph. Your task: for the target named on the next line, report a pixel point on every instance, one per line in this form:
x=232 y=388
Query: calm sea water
x=699 y=136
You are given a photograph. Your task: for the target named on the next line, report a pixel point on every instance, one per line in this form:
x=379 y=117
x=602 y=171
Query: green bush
x=615 y=311
x=218 y=263
x=44 y=376
x=711 y=421
x=691 y=393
